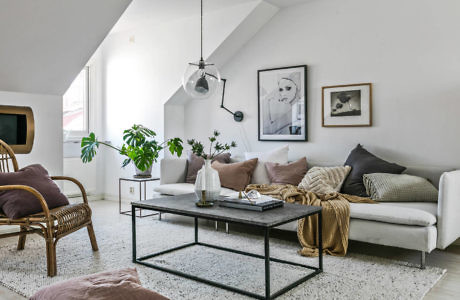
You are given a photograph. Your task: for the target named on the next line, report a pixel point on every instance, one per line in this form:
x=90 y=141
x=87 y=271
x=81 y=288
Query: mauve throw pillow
x=113 y=285
x=363 y=162
x=19 y=203
x=235 y=176
x=291 y=173
x=194 y=164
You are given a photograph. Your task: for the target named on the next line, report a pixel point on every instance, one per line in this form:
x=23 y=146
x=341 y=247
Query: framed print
x=347 y=105
x=282 y=100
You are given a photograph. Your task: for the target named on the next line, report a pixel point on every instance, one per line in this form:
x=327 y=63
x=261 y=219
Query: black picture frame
x=290 y=137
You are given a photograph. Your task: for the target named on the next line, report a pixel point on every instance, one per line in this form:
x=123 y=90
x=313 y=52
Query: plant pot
x=143 y=174
x=207 y=183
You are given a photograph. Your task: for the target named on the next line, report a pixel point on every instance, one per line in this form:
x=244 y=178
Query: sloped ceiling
x=44 y=44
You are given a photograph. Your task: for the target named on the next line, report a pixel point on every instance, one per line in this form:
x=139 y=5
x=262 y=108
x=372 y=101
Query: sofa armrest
x=449 y=209
x=173 y=170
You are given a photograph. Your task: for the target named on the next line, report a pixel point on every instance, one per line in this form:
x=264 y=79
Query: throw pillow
x=19 y=203
x=260 y=175
x=235 y=176
x=399 y=187
x=194 y=164
x=113 y=285
x=363 y=162
x=291 y=173
x=324 y=180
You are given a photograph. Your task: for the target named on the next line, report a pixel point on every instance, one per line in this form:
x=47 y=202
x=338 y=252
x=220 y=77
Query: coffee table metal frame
x=266 y=256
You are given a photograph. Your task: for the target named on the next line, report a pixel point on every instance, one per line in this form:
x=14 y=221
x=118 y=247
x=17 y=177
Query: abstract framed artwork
x=347 y=105
x=282 y=104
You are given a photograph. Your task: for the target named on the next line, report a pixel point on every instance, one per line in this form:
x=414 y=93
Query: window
x=76 y=105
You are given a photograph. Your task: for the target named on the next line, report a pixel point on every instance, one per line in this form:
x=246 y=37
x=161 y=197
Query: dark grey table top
x=185 y=205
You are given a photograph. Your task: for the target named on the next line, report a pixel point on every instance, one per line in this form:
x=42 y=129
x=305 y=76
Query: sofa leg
x=226 y=228
x=422 y=260
x=215 y=225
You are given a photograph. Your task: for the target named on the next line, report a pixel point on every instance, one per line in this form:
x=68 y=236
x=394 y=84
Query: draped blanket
x=336 y=217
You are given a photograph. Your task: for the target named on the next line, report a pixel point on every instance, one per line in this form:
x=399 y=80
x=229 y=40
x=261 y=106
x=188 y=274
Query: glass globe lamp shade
x=201 y=80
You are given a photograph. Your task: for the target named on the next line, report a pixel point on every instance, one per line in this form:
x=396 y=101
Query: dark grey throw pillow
x=19 y=203
x=194 y=164
x=363 y=162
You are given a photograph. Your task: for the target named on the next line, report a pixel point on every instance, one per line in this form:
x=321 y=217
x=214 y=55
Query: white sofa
x=421 y=226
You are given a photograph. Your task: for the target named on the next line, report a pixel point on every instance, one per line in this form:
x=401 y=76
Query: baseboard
x=457 y=242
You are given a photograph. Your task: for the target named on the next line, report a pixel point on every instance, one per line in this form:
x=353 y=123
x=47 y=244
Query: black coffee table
x=185 y=205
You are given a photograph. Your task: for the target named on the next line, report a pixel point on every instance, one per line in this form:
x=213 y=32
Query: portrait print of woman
x=282 y=104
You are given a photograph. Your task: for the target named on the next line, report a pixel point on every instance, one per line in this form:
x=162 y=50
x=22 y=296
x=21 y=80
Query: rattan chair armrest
x=31 y=190
x=78 y=183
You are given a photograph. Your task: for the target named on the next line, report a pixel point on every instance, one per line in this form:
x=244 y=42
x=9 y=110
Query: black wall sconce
x=237 y=115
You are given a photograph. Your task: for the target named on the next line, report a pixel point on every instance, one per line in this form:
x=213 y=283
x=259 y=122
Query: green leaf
x=89 y=146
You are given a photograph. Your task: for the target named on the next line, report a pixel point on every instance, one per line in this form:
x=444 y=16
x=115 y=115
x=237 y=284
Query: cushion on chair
x=235 y=176
x=113 y=285
x=385 y=187
x=324 y=180
x=175 y=189
x=363 y=162
x=260 y=175
x=194 y=164
x=19 y=203
x=291 y=173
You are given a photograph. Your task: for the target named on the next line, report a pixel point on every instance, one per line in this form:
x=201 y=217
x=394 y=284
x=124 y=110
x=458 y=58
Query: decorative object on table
x=347 y=105
x=201 y=79
x=384 y=187
x=235 y=176
x=140 y=181
x=207 y=184
x=195 y=163
x=252 y=200
x=291 y=173
x=363 y=162
x=139 y=147
x=282 y=100
x=325 y=180
x=237 y=115
x=32 y=188
x=279 y=155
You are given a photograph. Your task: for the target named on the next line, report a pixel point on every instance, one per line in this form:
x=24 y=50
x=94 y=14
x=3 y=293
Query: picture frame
x=348 y=105
x=282 y=104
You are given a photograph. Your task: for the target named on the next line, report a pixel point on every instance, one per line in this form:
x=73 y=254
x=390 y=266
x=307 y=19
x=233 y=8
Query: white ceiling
x=46 y=43
x=161 y=11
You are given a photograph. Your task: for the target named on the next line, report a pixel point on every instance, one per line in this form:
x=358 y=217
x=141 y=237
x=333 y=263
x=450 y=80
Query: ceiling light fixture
x=201 y=79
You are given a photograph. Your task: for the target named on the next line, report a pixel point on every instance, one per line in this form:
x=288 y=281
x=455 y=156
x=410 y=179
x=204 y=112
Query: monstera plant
x=139 y=147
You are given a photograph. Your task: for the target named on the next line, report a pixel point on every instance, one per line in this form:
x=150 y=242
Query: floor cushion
x=113 y=285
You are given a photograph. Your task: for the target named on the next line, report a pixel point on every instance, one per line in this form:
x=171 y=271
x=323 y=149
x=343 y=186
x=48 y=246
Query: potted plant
x=139 y=147
x=207 y=184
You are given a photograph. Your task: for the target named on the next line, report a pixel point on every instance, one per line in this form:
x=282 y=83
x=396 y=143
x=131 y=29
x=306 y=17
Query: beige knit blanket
x=336 y=217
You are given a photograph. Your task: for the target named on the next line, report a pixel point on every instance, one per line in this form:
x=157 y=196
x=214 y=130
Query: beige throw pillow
x=325 y=180
x=279 y=155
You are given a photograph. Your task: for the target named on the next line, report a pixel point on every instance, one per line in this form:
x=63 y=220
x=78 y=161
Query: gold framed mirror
x=17 y=128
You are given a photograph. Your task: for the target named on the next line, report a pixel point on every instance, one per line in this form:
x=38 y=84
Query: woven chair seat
x=71 y=217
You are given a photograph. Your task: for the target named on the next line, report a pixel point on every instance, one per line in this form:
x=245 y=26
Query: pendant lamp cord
x=201 y=29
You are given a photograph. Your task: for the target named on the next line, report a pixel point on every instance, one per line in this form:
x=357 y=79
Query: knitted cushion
x=325 y=180
x=399 y=187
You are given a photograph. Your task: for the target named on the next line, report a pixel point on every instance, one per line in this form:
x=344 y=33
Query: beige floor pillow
x=325 y=180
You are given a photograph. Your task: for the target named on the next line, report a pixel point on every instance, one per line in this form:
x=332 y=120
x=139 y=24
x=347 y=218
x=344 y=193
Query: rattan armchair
x=51 y=224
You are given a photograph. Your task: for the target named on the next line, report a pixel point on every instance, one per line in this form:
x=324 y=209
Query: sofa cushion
x=260 y=175
x=389 y=213
x=235 y=176
x=195 y=163
x=20 y=203
x=324 y=180
x=175 y=189
x=291 y=173
x=363 y=162
x=385 y=187
x=113 y=285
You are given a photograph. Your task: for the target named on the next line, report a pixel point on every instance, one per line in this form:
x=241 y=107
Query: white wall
x=407 y=49
x=142 y=68
x=47 y=148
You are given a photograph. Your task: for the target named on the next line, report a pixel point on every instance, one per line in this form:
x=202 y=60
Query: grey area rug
x=351 y=277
